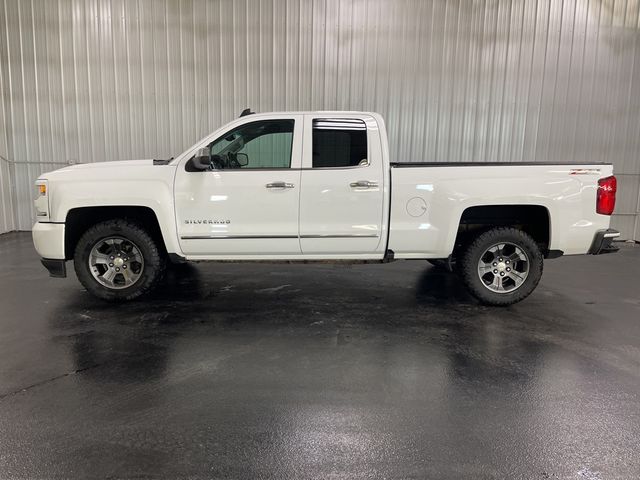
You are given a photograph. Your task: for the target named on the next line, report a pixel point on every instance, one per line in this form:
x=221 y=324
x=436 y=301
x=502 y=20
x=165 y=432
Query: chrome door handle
x=279 y=185
x=363 y=184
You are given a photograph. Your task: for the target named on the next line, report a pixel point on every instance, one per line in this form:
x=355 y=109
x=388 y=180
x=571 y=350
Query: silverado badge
x=207 y=222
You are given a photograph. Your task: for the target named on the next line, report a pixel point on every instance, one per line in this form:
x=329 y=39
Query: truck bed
x=428 y=205
x=486 y=164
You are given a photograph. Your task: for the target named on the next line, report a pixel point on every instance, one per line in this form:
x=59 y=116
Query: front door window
x=261 y=144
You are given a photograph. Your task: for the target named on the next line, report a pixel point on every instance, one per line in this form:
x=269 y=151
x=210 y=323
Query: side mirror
x=242 y=159
x=202 y=159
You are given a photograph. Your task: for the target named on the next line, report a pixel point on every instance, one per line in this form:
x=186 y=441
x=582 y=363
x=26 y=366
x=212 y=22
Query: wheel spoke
x=517 y=279
x=486 y=268
x=109 y=275
x=497 y=283
x=127 y=277
x=99 y=258
x=517 y=275
x=516 y=257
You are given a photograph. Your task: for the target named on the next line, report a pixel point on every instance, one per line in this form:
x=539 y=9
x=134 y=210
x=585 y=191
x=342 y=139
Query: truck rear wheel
x=501 y=266
x=118 y=260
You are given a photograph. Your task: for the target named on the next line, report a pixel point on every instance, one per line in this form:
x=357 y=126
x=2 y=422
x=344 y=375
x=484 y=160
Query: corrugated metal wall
x=7 y=222
x=91 y=80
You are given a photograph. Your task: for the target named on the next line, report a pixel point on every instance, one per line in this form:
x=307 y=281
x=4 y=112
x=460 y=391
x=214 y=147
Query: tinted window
x=339 y=143
x=261 y=144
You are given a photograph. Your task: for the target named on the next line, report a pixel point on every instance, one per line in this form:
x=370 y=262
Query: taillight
x=606 y=199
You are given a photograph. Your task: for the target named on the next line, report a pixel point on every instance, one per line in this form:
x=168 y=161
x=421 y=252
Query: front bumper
x=48 y=238
x=603 y=242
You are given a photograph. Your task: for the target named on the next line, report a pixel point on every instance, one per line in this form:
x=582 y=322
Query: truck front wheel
x=118 y=260
x=501 y=266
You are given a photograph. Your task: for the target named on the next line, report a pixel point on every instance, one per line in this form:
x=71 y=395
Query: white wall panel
x=492 y=80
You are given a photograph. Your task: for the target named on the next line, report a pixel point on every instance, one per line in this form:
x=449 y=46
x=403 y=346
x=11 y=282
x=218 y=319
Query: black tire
x=154 y=260
x=468 y=265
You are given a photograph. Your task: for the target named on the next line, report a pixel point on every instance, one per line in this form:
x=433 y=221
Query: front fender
x=155 y=194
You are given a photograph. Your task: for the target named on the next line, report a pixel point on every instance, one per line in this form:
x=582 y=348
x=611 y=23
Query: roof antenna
x=245 y=112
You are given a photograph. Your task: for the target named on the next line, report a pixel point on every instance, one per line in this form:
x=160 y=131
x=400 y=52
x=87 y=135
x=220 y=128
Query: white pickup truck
x=318 y=186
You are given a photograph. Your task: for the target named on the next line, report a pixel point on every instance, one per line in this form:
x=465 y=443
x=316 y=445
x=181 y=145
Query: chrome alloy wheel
x=116 y=262
x=503 y=267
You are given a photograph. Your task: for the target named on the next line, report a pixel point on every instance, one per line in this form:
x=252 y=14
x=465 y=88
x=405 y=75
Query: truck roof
x=314 y=112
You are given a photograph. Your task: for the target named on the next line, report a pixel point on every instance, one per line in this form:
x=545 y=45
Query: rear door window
x=339 y=143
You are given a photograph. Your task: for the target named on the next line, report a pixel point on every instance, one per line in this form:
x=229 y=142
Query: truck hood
x=91 y=169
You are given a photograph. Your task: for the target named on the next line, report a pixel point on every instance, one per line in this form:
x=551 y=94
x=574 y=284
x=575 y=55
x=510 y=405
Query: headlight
x=41 y=202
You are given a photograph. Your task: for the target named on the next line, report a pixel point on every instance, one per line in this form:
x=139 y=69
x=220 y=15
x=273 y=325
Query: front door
x=342 y=188
x=247 y=203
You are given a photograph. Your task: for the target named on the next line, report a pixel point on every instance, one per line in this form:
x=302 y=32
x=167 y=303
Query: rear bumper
x=603 y=242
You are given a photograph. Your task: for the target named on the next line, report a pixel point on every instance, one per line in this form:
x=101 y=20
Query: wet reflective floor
x=321 y=371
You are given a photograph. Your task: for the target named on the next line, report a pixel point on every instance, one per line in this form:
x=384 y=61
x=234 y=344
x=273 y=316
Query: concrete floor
x=319 y=371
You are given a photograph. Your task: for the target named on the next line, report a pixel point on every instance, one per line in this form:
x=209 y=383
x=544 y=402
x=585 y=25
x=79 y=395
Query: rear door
x=342 y=187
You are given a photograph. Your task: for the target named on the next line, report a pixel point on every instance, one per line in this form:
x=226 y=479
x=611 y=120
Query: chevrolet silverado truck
x=318 y=186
